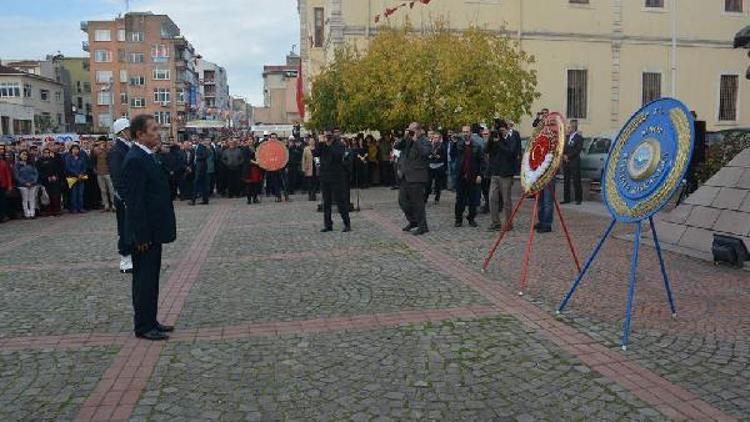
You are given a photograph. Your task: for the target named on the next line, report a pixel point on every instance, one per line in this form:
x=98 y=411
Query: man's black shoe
x=154 y=335
x=164 y=328
x=347 y=229
x=409 y=227
x=578 y=202
x=326 y=229
x=204 y=203
x=458 y=224
x=472 y=223
x=543 y=229
x=192 y=202
x=564 y=202
x=420 y=231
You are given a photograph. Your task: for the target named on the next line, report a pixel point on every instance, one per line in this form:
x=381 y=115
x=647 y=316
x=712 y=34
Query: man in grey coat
x=413 y=163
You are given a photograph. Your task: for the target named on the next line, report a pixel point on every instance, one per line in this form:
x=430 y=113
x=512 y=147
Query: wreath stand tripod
x=530 y=242
x=633 y=271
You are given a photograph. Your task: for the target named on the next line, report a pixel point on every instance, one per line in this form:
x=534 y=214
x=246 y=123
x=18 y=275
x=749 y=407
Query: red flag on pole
x=300 y=93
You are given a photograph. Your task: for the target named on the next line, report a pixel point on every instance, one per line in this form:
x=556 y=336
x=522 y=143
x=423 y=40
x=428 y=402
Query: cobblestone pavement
x=276 y=321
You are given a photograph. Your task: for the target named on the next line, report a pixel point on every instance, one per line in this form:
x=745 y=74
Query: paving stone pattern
x=276 y=321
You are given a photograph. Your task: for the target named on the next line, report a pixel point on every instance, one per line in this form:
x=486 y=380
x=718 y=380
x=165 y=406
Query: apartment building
x=280 y=93
x=214 y=86
x=596 y=60
x=30 y=104
x=139 y=63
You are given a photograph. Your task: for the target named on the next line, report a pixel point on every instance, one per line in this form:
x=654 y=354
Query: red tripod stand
x=530 y=242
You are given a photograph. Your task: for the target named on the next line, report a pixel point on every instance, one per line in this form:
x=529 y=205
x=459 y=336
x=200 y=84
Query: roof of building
x=5 y=70
x=278 y=68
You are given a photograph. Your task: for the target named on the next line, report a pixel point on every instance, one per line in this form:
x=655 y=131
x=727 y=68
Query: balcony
x=85 y=45
x=85 y=26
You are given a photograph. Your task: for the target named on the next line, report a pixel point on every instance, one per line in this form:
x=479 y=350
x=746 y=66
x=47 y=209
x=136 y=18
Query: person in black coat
x=572 y=164
x=201 y=181
x=468 y=156
x=51 y=176
x=187 y=157
x=333 y=183
x=502 y=152
x=115 y=158
x=149 y=223
x=413 y=164
x=438 y=166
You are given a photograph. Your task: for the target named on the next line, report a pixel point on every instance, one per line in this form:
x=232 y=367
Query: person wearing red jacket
x=6 y=185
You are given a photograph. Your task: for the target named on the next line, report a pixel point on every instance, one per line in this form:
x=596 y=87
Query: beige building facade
x=280 y=93
x=596 y=60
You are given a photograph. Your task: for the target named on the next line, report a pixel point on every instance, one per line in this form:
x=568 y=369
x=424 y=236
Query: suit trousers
x=572 y=173
x=467 y=194
x=500 y=191
x=411 y=201
x=337 y=192
x=435 y=183
x=146 y=269
x=122 y=248
x=201 y=186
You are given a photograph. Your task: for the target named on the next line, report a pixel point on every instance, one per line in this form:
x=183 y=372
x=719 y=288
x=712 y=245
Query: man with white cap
x=115 y=159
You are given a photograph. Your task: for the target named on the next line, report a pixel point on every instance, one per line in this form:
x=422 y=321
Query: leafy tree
x=438 y=77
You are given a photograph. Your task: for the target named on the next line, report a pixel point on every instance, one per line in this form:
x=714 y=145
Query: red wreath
x=391 y=10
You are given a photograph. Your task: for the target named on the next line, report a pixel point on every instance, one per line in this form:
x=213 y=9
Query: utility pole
x=674 y=48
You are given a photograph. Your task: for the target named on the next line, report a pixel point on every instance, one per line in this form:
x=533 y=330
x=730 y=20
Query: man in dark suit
x=115 y=158
x=149 y=223
x=572 y=163
x=202 y=182
x=468 y=156
x=333 y=180
x=413 y=164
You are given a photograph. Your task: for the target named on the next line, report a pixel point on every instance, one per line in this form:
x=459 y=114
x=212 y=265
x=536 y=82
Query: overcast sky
x=241 y=35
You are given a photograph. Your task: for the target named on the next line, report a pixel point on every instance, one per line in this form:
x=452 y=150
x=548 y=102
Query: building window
x=136 y=37
x=104 y=120
x=10 y=89
x=137 y=102
x=79 y=101
x=160 y=53
x=577 y=94
x=120 y=35
x=86 y=88
x=27 y=90
x=137 y=80
x=44 y=94
x=161 y=74
x=651 y=82
x=79 y=87
x=103 y=76
x=124 y=98
x=102 y=35
x=162 y=96
x=104 y=98
x=58 y=96
x=728 y=90
x=655 y=3
x=59 y=119
x=319 y=25
x=123 y=76
x=733 y=6
x=163 y=117
x=180 y=94
x=102 y=56
x=137 y=58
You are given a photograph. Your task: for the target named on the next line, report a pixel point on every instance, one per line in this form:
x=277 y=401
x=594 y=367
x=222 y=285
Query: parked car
x=594 y=155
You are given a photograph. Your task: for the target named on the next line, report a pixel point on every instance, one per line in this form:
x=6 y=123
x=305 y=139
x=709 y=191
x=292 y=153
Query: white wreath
x=532 y=176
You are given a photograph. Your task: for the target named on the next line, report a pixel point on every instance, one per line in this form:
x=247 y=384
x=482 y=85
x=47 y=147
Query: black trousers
x=146 y=268
x=234 y=182
x=252 y=190
x=572 y=173
x=411 y=201
x=466 y=195
x=122 y=248
x=435 y=183
x=335 y=192
x=201 y=186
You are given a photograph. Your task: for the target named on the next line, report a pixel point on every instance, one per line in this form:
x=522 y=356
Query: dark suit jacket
x=413 y=163
x=333 y=167
x=476 y=167
x=149 y=213
x=573 y=148
x=115 y=159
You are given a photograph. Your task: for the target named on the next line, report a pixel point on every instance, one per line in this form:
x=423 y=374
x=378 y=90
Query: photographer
x=333 y=183
x=540 y=116
x=468 y=156
x=502 y=152
x=412 y=176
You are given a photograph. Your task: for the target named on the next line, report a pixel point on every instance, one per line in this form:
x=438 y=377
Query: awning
x=205 y=124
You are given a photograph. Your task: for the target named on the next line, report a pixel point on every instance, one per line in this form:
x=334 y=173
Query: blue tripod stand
x=633 y=271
